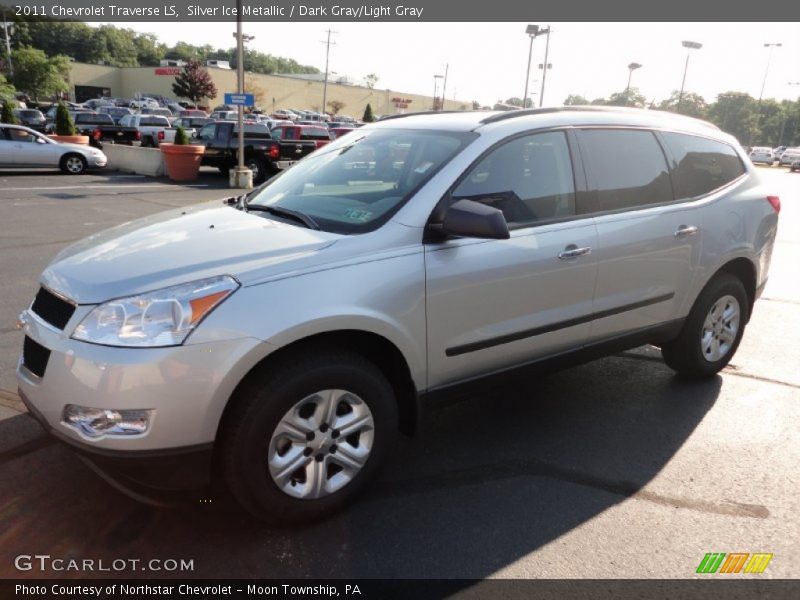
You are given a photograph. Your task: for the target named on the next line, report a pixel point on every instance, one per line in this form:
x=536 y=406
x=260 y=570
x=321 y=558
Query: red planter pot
x=182 y=162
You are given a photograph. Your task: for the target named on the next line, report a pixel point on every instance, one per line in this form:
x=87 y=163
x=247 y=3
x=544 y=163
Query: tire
x=224 y=170
x=258 y=167
x=712 y=331
x=148 y=143
x=256 y=445
x=73 y=164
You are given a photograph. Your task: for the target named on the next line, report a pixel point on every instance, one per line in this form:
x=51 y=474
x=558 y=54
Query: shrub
x=8 y=115
x=368 y=116
x=64 y=124
x=181 y=139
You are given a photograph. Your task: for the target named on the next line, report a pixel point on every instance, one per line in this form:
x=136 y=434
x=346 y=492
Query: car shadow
x=487 y=481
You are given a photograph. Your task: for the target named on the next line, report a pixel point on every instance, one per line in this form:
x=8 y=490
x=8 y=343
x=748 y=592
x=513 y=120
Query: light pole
x=797 y=118
x=532 y=31
x=689 y=46
x=327 y=56
x=631 y=68
x=444 y=85
x=8 y=29
x=436 y=79
x=546 y=64
x=771 y=46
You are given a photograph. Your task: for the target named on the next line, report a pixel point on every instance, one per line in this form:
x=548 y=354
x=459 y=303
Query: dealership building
x=87 y=81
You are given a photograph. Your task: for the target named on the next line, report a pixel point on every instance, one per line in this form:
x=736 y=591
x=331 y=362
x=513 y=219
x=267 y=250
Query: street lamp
x=534 y=31
x=631 y=68
x=547 y=65
x=436 y=79
x=771 y=46
x=8 y=28
x=327 y=56
x=689 y=46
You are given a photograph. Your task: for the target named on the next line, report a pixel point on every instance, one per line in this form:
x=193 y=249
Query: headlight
x=161 y=318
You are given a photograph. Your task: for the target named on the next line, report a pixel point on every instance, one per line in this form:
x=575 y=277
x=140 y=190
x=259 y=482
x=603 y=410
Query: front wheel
x=73 y=164
x=712 y=331
x=304 y=439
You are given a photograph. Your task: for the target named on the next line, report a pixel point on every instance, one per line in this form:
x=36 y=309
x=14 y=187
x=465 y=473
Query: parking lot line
x=97 y=187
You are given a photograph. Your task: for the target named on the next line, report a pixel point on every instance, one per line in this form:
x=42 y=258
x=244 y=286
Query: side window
x=701 y=165
x=627 y=169
x=207 y=132
x=529 y=179
x=223 y=133
x=290 y=133
x=277 y=133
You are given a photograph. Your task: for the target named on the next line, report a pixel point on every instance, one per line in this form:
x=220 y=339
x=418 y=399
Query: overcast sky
x=487 y=61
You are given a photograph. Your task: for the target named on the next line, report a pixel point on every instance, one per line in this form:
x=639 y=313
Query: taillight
x=776 y=203
x=161 y=135
x=138 y=135
x=274 y=152
x=97 y=134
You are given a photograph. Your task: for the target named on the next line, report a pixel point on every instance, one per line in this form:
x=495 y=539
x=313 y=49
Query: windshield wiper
x=280 y=211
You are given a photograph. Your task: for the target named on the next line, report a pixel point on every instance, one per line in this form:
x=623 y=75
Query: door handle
x=572 y=251
x=685 y=230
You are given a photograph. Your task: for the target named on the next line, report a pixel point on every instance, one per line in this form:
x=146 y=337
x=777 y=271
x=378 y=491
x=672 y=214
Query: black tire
x=73 y=164
x=148 y=143
x=265 y=398
x=258 y=167
x=685 y=354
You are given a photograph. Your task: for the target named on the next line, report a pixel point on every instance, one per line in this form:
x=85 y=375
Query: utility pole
x=327 y=57
x=444 y=85
x=545 y=67
x=8 y=29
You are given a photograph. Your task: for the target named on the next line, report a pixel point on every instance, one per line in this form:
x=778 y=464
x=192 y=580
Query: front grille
x=35 y=357
x=52 y=309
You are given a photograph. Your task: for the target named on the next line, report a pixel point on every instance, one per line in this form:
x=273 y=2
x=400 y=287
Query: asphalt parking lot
x=614 y=469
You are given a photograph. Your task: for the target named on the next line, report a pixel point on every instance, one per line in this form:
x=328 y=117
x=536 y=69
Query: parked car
x=264 y=156
x=23 y=147
x=795 y=165
x=288 y=334
x=96 y=103
x=225 y=115
x=337 y=132
x=31 y=118
x=116 y=112
x=50 y=116
x=319 y=134
x=153 y=129
x=788 y=156
x=777 y=152
x=761 y=154
x=100 y=127
x=191 y=124
x=192 y=112
x=162 y=112
x=144 y=102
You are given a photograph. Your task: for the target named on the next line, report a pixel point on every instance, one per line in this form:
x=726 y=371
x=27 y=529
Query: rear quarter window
x=701 y=165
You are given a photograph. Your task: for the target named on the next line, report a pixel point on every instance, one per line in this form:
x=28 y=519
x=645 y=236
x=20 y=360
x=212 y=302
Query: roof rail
x=592 y=108
x=424 y=112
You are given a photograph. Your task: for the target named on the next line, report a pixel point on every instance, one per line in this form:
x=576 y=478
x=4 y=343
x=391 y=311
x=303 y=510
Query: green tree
x=194 y=83
x=6 y=89
x=575 y=100
x=37 y=75
x=629 y=97
x=691 y=105
x=371 y=80
x=368 y=116
x=181 y=139
x=64 y=124
x=7 y=115
x=737 y=114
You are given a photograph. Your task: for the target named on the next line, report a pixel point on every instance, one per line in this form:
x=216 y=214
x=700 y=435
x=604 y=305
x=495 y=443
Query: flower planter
x=182 y=162
x=71 y=139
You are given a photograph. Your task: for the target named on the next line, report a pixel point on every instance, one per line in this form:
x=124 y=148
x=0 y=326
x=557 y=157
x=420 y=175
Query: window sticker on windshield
x=423 y=167
x=357 y=214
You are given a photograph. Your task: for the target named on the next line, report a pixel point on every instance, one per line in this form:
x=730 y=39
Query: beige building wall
x=287 y=92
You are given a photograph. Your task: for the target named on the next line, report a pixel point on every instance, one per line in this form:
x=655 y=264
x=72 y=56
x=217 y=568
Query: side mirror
x=467 y=218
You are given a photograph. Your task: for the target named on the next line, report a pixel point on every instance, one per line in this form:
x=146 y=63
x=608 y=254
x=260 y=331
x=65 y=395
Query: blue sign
x=240 y=99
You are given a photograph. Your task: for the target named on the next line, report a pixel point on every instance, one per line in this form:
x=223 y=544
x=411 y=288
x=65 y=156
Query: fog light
x=98 y=422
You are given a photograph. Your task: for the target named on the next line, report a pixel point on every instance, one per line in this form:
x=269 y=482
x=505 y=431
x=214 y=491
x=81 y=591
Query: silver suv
x=282 y=339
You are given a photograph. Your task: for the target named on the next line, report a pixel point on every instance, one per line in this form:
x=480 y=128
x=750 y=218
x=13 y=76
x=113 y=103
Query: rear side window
x=529 y=179
x=314 y=133
x=154 y=121
x=627 y=169
x=701 y=165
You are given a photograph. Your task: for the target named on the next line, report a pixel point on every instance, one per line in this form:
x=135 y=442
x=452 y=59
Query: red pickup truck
x=319 y=134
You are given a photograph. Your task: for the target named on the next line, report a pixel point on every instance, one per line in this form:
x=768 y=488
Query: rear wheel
x=304 y=439
x=73 y=164
x=712 y=331
x=258 y=167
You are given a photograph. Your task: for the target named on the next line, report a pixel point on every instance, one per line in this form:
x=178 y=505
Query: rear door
x=649 y=244
x=492 y=304
x=6 y=148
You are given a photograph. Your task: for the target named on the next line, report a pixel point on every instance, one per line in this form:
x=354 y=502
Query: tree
x=7 y=115
x=576 y=100
x=368 y=116
x=251 y=87
x=628 y=97
x=736 y=113
x=6 y=89
x=371 y=80
x=194 y=83
x=336 y=106
x=692 y=105
x=37 y=75
x=476 y=105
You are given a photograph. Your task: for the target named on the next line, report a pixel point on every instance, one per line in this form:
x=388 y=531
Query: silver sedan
x=22 y=147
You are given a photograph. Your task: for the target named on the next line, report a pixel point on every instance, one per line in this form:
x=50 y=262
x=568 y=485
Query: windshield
x=358 y=182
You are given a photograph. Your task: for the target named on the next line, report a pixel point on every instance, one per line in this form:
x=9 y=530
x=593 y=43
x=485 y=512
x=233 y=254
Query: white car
x=762 y=154
x=25 y=148
x=789 y=156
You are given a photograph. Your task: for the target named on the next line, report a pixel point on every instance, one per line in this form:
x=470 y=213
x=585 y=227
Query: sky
x=487 y=61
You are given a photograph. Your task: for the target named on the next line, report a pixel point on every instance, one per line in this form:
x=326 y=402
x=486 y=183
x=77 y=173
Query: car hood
x=179 y=246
